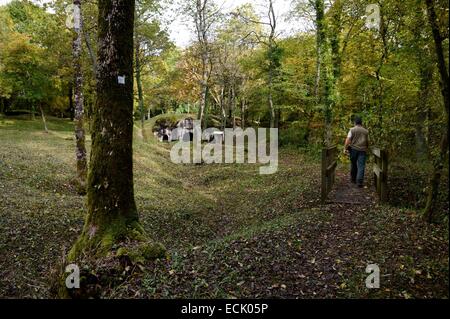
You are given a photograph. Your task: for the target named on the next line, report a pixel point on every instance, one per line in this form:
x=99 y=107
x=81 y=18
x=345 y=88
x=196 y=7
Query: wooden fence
x=380 y=173
x=329 y=163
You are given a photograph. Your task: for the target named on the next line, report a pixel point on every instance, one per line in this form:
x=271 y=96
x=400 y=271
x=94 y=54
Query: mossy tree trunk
x=112 y=217
x=80 y=148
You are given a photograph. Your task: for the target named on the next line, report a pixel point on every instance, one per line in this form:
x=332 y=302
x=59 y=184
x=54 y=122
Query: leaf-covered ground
x=229 y=231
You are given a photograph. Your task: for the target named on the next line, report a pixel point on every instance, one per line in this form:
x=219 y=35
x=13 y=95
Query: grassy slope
x=230 y=232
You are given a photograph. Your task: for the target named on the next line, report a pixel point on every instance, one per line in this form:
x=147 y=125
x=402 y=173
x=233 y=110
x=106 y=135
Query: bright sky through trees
x=180 y=27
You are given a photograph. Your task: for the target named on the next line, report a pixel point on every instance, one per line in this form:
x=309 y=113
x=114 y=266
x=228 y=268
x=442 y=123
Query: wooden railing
x=329 y=163
x=380 y=172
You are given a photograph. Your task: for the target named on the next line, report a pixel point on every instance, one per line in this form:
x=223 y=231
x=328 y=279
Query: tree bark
x=270 y=99
x=243 y=114
x=33 y=110
x=442 y=66
x=2 y=105
x=233 y=105
x=426 y=76
x=87 y=40
x=426 y=67
x=112 y=219
x=324 y=62
x=70 y=96
x=80 y=149
x=139 y=86
x=43 y=118
x=202 y=27
x=273 y=25
x=222 y=107
x=435 y=178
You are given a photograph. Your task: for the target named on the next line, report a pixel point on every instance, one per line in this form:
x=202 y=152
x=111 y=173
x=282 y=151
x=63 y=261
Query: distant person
x=357 y=145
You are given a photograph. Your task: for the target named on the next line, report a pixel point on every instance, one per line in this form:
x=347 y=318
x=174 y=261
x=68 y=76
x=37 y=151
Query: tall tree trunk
x=270 y=99
x=380 y=92
x=229 y=106
x=233 y=105
x=43 y=118
x=2 y=105
x=243 y=114
x=33 y=110
x=70 y=96
x=112 y=219
x=426 y=77
x=324 y=62
x=442 y=66
x=203 y=91
x=316 y=86
x=309 y=118
x=317 y=77
x=426 y=68
x=139 y=85
x=435 y=177
x=87 y=40
x=272 y=66
x=222 y=107
x=87 y=111
x=201 y=23
x=80 y=149
x=277 y=117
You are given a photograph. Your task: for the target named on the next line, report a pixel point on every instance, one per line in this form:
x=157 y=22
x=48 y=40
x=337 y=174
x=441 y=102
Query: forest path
x=346 y=192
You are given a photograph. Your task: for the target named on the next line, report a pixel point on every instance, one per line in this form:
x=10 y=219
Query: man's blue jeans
x=358 y=160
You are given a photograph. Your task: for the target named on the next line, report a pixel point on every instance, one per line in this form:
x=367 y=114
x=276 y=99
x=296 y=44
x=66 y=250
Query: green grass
x=229 y=231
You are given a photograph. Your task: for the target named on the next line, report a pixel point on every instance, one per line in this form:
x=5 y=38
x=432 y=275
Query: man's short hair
x=358 y=120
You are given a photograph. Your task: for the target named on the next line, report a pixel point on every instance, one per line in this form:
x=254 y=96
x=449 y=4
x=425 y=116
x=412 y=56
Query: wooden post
x=323 y=196
x=333 y=176
x=380 y=173
x=329 y=164
x=383 y=176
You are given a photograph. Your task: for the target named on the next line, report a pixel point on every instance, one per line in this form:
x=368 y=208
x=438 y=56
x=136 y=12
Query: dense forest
x=80 y=80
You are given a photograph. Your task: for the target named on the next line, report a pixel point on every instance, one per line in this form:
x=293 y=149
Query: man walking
x=357 y=145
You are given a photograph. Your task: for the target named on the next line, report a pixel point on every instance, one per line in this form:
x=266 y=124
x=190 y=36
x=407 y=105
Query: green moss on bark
x=112 y=222
x=100 y=242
